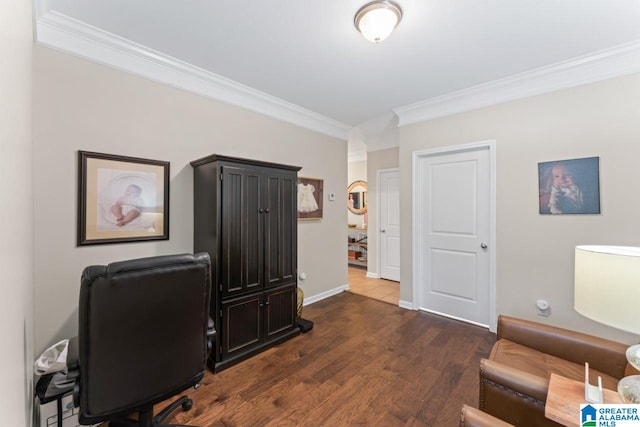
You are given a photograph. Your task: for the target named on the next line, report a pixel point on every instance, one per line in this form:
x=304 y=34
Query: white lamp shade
x=377 y=20
x=607 y=285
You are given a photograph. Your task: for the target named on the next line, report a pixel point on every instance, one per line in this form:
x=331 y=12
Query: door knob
x=483 y=245
x=383 y=231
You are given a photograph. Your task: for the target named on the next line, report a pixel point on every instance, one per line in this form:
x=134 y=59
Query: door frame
x=416 y=241
x=379 y=172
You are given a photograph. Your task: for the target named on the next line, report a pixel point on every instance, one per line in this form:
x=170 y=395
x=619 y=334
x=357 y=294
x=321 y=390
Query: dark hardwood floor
x=364 y=363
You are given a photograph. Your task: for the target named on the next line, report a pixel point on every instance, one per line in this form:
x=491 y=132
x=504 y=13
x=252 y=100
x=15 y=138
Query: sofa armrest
x=512 y=395
x=603 y=355
x=513 y=379
x=472 y=417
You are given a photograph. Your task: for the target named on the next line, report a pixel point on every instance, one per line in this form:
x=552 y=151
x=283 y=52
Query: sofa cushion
x=541 y=364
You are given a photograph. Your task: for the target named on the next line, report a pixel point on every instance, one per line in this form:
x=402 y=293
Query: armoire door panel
x=289 y=224
x=281 y=311
x=241 y=249
x=280 y=229
x=252 y=238
x=273 y=234
x=242 y=324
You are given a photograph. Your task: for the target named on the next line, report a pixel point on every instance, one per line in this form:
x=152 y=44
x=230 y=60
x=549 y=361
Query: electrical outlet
x=544 y=309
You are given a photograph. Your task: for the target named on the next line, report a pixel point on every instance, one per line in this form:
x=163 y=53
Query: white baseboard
x=460 y=319
x=406 y=305
x=324 y=295
x=372 y=275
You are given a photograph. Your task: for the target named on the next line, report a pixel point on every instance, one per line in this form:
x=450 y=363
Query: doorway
x=388 y=184
x=454 y=232
x=378 y=289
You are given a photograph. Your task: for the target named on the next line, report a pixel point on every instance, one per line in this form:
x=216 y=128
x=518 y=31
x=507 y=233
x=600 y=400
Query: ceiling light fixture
x=376 y=20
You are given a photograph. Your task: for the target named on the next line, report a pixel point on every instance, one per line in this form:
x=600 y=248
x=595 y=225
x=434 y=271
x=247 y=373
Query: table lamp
x=607 y=290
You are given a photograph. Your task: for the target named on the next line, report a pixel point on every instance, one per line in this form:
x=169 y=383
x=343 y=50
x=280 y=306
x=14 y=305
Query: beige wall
x=376 y=160
x=535 y=252
x=81 y=105
x=16 y=211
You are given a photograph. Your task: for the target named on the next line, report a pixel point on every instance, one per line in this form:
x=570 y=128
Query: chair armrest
x=211 y=335
x=211 y=329
x=73 y=359
x=603 y=355
x=513 y=379
x=472 y=417
x=73 y=368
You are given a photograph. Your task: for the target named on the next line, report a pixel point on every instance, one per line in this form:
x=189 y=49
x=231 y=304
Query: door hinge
x=220 y=351
x=221 y=313
x=220 y=287
x=220 y=176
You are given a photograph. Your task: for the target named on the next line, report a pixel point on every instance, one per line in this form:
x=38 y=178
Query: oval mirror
x=357 y=197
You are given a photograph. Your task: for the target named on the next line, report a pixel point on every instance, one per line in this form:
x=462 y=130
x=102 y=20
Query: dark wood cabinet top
x=218 y=157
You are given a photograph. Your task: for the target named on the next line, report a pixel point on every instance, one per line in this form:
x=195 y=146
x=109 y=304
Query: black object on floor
x=304 y=325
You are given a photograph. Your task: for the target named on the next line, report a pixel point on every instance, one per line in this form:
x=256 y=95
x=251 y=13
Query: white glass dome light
x=376 y=20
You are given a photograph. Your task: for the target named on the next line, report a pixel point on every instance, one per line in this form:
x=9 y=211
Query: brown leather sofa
x=515 y=378
x=472 y=417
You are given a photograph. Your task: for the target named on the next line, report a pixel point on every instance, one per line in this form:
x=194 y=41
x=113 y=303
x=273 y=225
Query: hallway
x=382 y=290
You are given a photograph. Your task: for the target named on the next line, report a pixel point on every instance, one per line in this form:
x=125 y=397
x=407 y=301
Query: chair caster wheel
x=188 y=404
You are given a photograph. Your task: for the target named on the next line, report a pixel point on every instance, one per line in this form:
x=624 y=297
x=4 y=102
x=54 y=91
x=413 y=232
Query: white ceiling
x=309 y=55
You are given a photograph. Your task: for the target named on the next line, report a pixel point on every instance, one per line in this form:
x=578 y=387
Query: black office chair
x=143 y=337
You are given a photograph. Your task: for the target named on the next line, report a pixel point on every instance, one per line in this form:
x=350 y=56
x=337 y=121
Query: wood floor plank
x=364 y=363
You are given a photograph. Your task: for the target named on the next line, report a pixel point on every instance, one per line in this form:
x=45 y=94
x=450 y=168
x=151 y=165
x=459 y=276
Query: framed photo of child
x=121 y=199
x=569 y=186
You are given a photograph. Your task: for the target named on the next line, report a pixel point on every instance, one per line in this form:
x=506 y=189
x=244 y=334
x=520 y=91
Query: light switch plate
x=332 y=197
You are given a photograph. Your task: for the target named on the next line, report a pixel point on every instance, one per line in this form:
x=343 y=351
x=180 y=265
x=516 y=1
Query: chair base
x=146 y=418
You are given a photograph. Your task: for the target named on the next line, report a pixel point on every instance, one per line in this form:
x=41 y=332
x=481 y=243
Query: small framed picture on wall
x=310 y=192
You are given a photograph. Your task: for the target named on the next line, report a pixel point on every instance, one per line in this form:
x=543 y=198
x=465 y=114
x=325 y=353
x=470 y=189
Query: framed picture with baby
x=569 y=186
x=121 y=199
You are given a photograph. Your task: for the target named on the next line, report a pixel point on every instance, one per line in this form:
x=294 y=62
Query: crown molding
x=64 y=33
x=601 y=65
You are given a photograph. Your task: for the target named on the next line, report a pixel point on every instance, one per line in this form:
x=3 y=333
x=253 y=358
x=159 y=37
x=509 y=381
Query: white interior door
x=389 y=219
x=452 y=221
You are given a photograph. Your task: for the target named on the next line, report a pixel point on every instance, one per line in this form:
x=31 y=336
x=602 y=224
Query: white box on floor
x=47 y=413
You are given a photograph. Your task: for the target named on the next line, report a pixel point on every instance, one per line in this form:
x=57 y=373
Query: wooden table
x=565 y=397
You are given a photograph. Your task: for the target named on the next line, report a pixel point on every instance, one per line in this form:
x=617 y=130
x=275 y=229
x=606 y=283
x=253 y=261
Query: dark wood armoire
x=245 y=217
